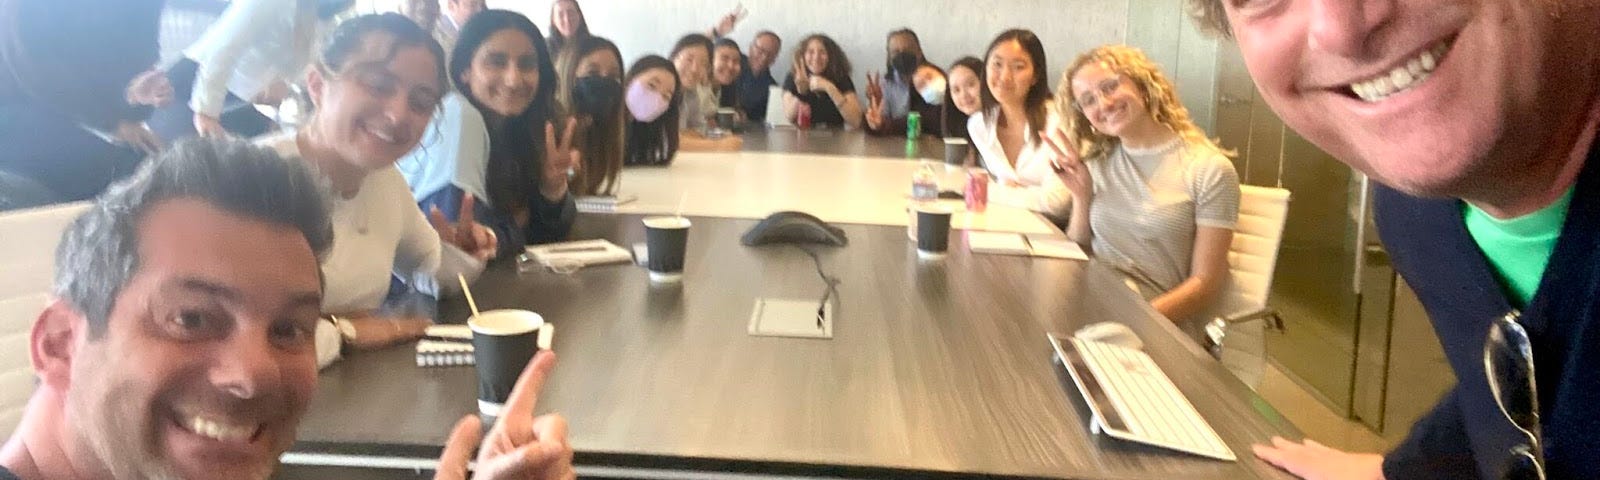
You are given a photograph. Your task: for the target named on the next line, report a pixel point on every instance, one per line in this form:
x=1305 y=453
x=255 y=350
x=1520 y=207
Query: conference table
x=936 y=368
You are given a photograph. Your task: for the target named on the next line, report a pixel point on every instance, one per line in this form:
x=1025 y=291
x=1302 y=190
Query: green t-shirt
x=1518 y=248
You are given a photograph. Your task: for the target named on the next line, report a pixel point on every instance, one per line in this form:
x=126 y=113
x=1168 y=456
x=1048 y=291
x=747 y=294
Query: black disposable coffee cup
x=667 y=242
x=955 y=151
x=727 y=119
x=503 y=342
x=933 y=231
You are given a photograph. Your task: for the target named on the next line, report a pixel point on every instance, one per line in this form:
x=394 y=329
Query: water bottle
x=924 y=183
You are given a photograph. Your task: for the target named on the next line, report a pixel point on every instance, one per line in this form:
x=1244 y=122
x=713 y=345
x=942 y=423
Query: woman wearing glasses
x=375 y=86
x=1016 y=107
x=1151 y=194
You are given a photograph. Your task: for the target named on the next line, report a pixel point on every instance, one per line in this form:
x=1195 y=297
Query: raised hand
x=802 y=80
x=874 y=87
x=1313 y=461
x=559 y=158
x=730 y=20
x=820 y=83
x=1067 y=165
x=875 y=117
x=519 y=446
x=465 y=233
x=150 y=88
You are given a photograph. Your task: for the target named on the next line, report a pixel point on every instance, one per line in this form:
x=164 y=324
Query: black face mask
x=905 y=62
x=596 y=95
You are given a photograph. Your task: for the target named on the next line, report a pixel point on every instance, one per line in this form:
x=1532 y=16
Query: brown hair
x=1160 y=97
x=599 y=138
x=838 y=68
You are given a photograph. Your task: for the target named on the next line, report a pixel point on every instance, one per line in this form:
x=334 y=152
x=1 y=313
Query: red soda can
x=977 y=192
x=803 y=117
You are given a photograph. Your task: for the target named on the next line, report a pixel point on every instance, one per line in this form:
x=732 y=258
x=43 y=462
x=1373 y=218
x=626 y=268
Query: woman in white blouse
x=1016 y=107
x=377 y=84
x=250 y=55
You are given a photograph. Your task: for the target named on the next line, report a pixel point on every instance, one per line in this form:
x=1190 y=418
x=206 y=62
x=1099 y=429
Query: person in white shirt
x=457 y=12
x=378 y=82
x=1016 y=107
x=1152 y=196
x=249 y=56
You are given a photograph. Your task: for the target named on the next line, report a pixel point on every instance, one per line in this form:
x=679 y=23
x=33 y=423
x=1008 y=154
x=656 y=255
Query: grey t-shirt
x=1148 y=204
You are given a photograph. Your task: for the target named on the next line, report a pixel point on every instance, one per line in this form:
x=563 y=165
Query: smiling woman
x=491 y=152
x=375 y=86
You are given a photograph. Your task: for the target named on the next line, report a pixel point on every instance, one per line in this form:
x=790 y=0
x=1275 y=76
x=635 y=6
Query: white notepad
x=582 y=253
x=1048 y=246
x=790 y=318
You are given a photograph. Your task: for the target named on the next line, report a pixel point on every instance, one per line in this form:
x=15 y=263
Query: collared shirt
x=753 y=92
x=1029 y=182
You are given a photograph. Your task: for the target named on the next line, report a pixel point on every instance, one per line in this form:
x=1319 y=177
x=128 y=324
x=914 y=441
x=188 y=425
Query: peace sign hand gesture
x=465 y=233
x=519 y=446
x=559 y=158
x=1068 y=166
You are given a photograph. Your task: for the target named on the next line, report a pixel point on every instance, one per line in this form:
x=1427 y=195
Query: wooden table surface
x=937 y=369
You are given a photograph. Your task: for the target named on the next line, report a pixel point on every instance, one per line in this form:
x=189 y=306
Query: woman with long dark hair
x=590 y=90
x=691 y=56
x=963 y=99
x=494 y=142
x=651 y=131
x=1016 y=106
x=820 y=84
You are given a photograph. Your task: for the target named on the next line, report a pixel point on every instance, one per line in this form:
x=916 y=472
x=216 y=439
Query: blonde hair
x=1160 y=98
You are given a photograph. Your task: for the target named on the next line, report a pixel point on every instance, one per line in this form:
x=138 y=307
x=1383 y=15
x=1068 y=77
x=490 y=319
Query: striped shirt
x=1148 y=203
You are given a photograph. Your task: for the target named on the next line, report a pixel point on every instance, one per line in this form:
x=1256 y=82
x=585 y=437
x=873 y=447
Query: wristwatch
x=347 y=330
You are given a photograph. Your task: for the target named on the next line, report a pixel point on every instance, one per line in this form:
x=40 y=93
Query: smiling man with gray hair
x=1479 y=119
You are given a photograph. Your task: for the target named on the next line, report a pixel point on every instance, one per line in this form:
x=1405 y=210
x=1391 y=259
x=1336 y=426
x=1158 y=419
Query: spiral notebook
x=444 y=353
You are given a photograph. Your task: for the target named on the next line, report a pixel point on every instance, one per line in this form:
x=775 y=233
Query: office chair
x=29 y=265
x=1236 y=335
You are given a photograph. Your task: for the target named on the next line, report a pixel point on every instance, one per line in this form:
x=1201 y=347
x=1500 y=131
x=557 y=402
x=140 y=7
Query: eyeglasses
x=385 y=85
x=1508 y=364
x=1093 y=98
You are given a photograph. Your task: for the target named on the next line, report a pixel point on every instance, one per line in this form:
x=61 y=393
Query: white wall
x=949 y=28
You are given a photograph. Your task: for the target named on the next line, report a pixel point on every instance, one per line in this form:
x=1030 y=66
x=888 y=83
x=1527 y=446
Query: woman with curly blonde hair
x=1151 y=194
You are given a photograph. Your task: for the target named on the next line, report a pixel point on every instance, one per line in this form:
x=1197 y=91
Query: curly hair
x=1211 y=16
x=1160 y=97
x=838 y=68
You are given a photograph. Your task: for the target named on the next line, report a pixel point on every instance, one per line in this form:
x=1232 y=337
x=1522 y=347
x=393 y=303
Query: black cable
x=832 y=285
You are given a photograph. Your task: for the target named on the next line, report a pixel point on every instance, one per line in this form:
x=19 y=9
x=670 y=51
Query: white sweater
x=1038 y=188
x=377 y=233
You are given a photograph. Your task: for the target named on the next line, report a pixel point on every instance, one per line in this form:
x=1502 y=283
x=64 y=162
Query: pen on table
x=576 y=250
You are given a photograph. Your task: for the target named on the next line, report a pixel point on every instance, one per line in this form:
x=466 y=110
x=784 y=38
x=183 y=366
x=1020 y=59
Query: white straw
x=681 y=200
x=468 y=292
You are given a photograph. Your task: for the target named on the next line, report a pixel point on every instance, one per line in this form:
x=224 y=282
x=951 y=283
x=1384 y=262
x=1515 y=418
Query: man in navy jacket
x=1478 y=117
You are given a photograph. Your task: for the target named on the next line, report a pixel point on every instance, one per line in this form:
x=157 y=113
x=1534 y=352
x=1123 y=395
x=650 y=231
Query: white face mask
x=933 y=92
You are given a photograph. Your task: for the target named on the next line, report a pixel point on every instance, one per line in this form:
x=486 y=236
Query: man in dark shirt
x=754 y=81
x=1478 y=117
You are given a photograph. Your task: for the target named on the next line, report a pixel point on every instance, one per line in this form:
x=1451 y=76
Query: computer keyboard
x=1132 y=399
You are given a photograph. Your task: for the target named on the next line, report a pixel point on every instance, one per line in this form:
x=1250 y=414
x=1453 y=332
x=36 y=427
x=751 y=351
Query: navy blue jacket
x=1466 y=436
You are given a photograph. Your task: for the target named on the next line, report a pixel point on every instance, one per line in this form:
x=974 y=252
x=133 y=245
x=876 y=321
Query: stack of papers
x=581 y=253
x=1047 y=246
x=602 y=203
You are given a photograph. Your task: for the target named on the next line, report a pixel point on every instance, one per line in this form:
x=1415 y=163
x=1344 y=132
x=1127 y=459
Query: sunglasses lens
x=1508 y=362
x=1522 y=465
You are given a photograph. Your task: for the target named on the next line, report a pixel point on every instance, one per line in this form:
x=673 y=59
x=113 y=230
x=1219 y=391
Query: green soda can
x=913 y=125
